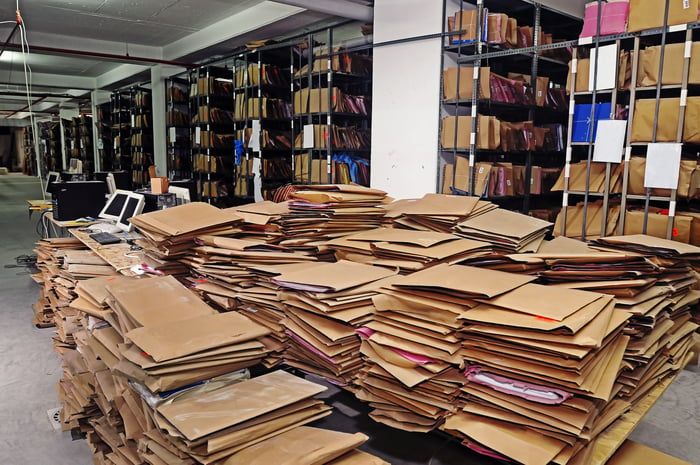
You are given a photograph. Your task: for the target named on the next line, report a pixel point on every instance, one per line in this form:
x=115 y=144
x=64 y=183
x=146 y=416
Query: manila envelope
x=466 y=83
x=184 y=219
x=447 y=178
x=657 y=224
x=211 y=412
x=455 y=132
x=332 y=277
x=643 y=121
x=633 y=453
x=691 y=128
x=174 y=339
x=649 y=60
x=649 y=14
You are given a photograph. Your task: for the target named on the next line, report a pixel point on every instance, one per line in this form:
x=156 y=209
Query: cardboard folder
x=184 y=219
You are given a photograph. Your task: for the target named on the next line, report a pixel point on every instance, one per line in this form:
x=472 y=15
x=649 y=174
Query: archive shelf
x=213 y=148
x=503 y=82
x=121 y=103
x=104 y=142
x=332 y=104
x=179 y=156
x=141 y=135
x=645 y=82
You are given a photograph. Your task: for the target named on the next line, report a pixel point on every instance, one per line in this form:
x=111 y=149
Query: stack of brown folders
x=324 y=305
x=169 y=234
x=163 y=336
x=436 y=212
x=320 y=212
x=507 y=231
x=413 y=349
x=407 y=250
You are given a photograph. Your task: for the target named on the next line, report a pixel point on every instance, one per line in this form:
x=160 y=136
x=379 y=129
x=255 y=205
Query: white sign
x=663 y=166
x=610 y=141
x=309 y=136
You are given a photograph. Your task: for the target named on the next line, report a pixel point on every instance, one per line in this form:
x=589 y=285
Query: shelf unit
x=655 y=84
x=213 y=143
x=332 y=108
x=503 y=105
x=141 y=121
x=177 y=122
x=104 y=142
x=29 y=165
x=121 y=102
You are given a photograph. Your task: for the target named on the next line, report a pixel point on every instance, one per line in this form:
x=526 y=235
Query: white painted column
x=97 y=97
x=406 y=97
x=66 y=114
x=160 y=148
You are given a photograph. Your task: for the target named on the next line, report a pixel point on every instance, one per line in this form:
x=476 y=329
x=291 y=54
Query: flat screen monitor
x=114 y=206
x=132 y=207
x=181 y=193
x=51 y=178
x=111 y=184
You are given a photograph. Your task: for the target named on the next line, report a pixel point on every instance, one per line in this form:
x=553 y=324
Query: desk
x=51 y=227
x=120 y=256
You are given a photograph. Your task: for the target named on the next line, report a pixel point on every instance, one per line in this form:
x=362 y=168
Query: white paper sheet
x=663 y=166
x=607 y=67
x=610 y=141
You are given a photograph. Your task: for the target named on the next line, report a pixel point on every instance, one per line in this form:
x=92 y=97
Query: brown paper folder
x=691 y=127
x=220 y=409
x=184 y=219
x=643 y=122
x=649 y=14
x=633 y=453
x=466 y=83
x=649 y=60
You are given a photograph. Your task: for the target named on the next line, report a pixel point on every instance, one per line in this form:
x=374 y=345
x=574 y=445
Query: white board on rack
x=610 y=141
x=662 y=166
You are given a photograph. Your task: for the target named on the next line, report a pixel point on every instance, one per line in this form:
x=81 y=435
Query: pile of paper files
x=407 y=250
x=542 y=366
x=260 y=221
x=324 y=305
x=507 y=231
x=169 y=234
x=320 y=212
x=436 y=212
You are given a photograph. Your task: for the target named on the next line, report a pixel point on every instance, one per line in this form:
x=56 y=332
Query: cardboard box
x=643 y=121
x=159 y=185
x=466 y=83
x=649 y=14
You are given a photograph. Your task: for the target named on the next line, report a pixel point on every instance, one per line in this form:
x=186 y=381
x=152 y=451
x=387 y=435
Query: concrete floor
x=29 y=370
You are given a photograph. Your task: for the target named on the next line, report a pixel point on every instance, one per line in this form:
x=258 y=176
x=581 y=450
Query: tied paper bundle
x=320 y=212
x=435 y=212
x=412 y=347
x=324 y=306
x=406 y=250
x=163 y=336
x=169 y=234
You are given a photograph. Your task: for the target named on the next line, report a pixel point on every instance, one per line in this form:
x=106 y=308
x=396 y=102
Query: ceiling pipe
x=342 y=8
x=39 y=94
x=105 y=56
x=25 y=107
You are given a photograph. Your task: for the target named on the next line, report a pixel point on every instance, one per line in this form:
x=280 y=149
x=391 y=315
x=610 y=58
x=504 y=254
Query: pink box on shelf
x=613 y=18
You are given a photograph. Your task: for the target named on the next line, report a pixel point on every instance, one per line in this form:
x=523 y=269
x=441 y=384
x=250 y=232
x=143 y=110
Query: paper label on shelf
x=82 y=144
x=672 y=208
x=684 y=97
x=565 y=200
x=628 y=153
x=172 y=135
x=254 y=143
x=688 y=47
x=475 y=73
x=662 y=166
x=133 y=118
x=610 y=141
x=585 y=40
x=257 y=180
x=686 y=4
x=568 y=154
x=607 y=67
x=472 y=138
x=574 y=65
x=567 y=170
x=677 y=27
x=308 y=136
x=100 y=144
x=197 y=135
x=571 y=109
x=115 y=144
x=474 y=111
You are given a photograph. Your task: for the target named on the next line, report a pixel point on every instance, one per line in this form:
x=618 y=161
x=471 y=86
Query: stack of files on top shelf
x=169 y=234
x=324 y=306
x=406 y=250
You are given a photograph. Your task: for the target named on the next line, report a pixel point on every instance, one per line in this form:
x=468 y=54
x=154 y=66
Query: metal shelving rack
x=661 y=36
x=471 y=57
x=179 y=156
x=141 y=135
x=121 y=103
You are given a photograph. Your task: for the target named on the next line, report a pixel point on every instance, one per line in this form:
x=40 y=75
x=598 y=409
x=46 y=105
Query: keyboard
x=105 y=238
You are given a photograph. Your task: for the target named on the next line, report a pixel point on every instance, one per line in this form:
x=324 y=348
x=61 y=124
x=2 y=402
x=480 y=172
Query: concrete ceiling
x=131 y=36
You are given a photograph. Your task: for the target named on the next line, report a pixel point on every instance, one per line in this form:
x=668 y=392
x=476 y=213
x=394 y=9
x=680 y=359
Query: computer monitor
x=132 y=207
x=51 y=178
x=182 y=194
x=111 y=183
x=114 y=206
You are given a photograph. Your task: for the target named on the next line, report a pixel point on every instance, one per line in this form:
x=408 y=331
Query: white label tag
x=254 y=143
x=672 y=208
x=197 y=135
x=100 y=144
x=688 y=47
x=574 y=65
x=677 y=27
x=115 y=144
x=684 y=97
x=686 y=4
x=172 y=135
x=133 y=119
x=568 y=154
x=309 y=141
x=481 y=170
x=475 y=73
x=565 y=200
x=585 y=40
x=472 y=139
x=628 y=153
x=567 y=170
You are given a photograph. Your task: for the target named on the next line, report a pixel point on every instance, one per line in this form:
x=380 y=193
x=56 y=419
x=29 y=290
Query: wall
x=405 y=97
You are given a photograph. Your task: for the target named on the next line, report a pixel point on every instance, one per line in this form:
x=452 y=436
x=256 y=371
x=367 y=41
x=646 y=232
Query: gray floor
x=29 y=370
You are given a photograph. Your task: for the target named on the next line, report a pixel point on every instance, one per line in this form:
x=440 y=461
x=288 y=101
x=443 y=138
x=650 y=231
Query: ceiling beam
x=251 y=19
x=118 y=75
x=342 y=8
x=56 y=81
